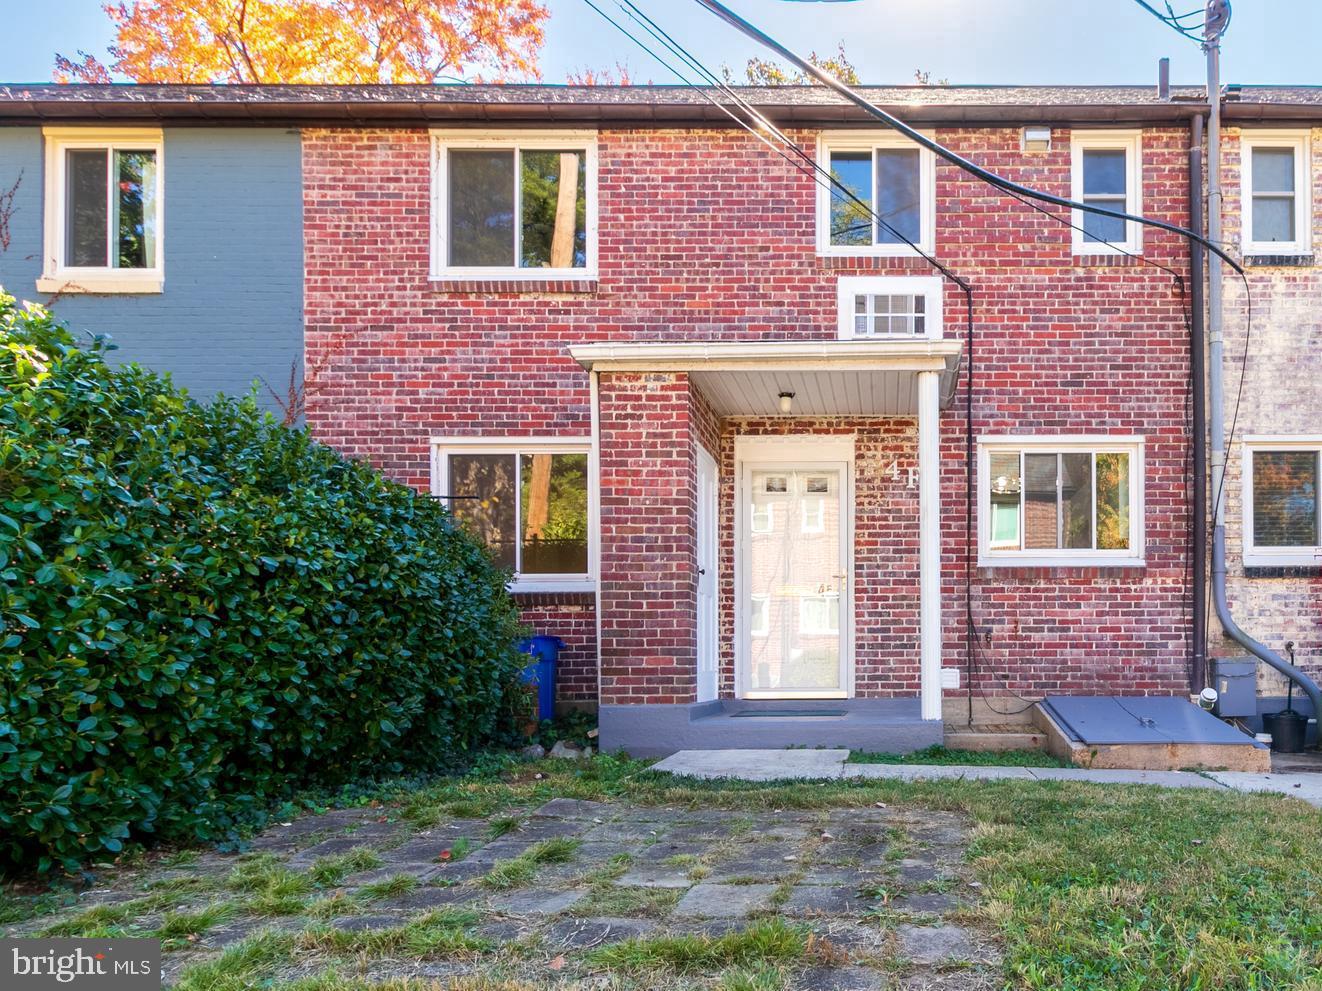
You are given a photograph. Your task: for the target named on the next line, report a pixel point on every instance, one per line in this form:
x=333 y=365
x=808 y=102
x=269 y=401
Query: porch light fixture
x=786 y=402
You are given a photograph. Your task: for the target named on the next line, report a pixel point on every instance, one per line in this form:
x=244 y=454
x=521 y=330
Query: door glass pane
x=481 y=208
x=898 y=192
x=85 y=208
x=554 y=505
x=1273 y=170
x=851 y=223
x=1285 y=498
x=1076 y=499
x=482 y=491
x=794 y=584
x=1113 y=501
x=553 y=187
x=135 y=208
x=1273 y=218
x=1005 y=488
x=1040 y=509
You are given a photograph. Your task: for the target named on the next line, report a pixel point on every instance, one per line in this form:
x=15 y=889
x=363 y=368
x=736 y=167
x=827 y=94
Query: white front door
x=795 y=588
x=706 y=554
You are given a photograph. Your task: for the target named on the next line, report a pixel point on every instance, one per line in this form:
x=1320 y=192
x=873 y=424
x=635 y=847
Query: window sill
x=1299 y=559
x=512 y=284
x=1060 y=562
x=99 y=284
x=1265 y=258
x=1112 y=257
x=522 y=586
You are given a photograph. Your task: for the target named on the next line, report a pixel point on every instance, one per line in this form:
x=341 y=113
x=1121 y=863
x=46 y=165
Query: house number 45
x=909 y=476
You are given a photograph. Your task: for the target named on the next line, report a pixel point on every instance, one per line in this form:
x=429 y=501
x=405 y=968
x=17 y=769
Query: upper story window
x=897 y=307
x=527 y=500
x=1282 y=526
x=1274 y=191
x=1106 y=171
x=896 y=180
x=103 y=211
x=1060 y=501
x=517 y=205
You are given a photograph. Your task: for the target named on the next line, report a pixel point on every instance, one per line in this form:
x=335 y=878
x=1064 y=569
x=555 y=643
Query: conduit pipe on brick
x=1216 y=391
x=1198 y=386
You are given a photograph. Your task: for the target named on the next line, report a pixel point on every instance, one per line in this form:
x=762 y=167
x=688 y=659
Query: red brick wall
x=648 y=527
x=571 y=616
x=708 y=235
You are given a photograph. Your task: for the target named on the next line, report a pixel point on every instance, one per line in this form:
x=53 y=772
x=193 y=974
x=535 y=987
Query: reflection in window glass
x=1113 y=501
x=898 y=192
x=1285 y=498
x=1273 y=194
x=553 y=186
x=1104 y=185
x=481 y=208
x=851 y=224
x=135 y=208
x=1076 y=500
x=482 y=491
x=554 y=509
x=1006 y=488
x=1040 y=516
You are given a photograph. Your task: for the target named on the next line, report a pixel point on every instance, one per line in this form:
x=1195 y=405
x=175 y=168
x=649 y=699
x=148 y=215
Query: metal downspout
x=1198 y=388
x=1216 y=393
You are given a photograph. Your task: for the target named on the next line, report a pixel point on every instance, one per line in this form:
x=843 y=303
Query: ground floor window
x=1061 y=501
x=527 y=501
x=1282 y=526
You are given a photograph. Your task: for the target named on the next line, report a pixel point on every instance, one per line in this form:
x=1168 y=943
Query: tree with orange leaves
x=315 y=41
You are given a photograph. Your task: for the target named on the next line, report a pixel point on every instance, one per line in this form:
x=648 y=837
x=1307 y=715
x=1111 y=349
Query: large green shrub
x=201 y=610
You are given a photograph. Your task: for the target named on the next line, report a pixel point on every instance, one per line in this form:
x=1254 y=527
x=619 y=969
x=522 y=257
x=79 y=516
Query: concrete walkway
x=826 y=765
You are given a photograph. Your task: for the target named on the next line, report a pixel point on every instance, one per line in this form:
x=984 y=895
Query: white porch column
x=929 y=541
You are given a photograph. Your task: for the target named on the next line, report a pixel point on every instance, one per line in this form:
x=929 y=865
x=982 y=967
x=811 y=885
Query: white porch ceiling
x=828 y=378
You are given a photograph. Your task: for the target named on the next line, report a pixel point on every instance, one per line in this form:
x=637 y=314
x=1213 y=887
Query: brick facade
x=1281 y=395
x=707 y=235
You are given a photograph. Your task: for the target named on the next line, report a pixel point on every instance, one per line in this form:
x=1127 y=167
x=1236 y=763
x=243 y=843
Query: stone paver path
x=830 y=765
x=883 y=894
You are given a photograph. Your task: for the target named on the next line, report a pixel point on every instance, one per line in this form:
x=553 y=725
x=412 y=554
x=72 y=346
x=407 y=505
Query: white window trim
x=442 y=447
x=1131 y=143
x=56 y=277
x=928 y=286
x=829 y=141
x=1133 y=557
x=445 y=140
x=1275 y=557
x=1299 y=142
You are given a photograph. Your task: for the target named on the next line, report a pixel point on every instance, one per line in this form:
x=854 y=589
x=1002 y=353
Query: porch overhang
x=827 y=378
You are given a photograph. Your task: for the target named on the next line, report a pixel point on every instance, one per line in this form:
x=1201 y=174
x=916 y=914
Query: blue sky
x=966 y=41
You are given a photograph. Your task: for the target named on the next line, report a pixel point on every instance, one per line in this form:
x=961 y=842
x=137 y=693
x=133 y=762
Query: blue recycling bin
x=541 y=672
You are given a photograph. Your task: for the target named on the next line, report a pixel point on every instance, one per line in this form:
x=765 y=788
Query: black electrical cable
x=1173 y=20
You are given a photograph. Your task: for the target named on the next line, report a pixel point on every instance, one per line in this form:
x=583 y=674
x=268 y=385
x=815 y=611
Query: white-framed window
x=1282 y=525
x=1274 y=193
x=1060 y=501
x=894 y=177
x=104 y=210
x=1106 y=170
x=514 y=204
x=893 y=307
x=528 y=500
x=819 y=615
x=759 y=616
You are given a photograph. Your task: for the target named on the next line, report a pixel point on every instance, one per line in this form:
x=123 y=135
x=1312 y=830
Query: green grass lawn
x=938 y=754
x=1090 y=886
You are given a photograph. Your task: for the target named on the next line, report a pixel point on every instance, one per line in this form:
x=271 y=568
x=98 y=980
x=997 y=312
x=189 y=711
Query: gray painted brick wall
x=232 y=309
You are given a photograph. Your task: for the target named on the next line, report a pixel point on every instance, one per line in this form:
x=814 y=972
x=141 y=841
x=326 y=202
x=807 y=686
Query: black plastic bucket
x=1287 y=729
